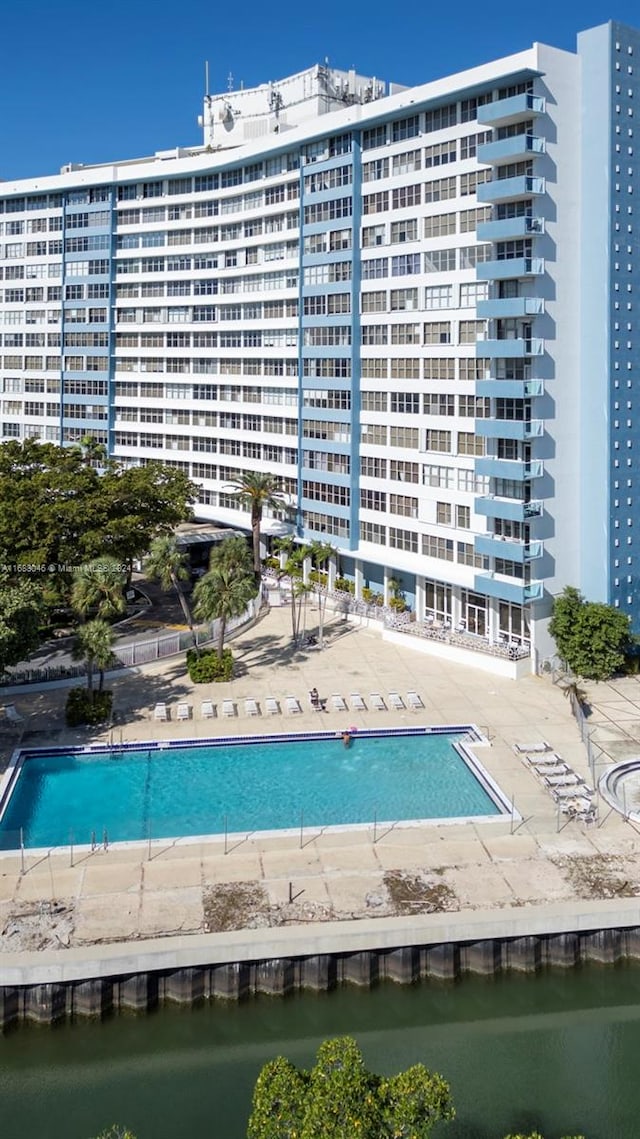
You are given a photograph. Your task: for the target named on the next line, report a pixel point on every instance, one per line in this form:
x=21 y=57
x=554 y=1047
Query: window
x=470 y=143
x=403 y=231
x=470 y=444
x=379 y=168
x=404 y=196
x=373 y=500
x=374 y=334
x=471 y=294
x=406 y=163
x=440 y=225
x=404 y=471
x=469 y=219
x=438 y=296
x=469 y=182
x=375 y=401
x=436 y=547
x=403 y=504
x=374 y=434
x=403 y=539
x=444 y=513
x=371 y=235
x=440 y=154
x=437 y=332
x=404 y=437
x=438 y=369
x=463 y=517
x=375 y=268
x=440 y=118
x=374 y=302
x=405 y=368
x=376 y=136
x=470 y=330
x=436 y=403
x=440 y=261
x=438 y=440
x=405 y=264
x=373 y=532
x=405 y=333
x=375 y=203
x=405 y=128
x=404 y=300
x=440 y=190
x=405 y=403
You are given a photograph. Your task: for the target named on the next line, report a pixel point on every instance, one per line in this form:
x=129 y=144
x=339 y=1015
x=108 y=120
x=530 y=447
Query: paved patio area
x=74 y=897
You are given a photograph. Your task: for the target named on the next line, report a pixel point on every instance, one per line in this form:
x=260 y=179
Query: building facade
x=413 y=305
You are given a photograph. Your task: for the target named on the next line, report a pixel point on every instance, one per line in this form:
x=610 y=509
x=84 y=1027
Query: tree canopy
x=591 y=637
x=339 y=1098
x=258 y=491
x=21 y=612
x=59 y=511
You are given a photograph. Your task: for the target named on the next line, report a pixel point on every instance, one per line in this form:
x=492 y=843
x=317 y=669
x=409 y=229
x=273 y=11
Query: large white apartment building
x=414 y=305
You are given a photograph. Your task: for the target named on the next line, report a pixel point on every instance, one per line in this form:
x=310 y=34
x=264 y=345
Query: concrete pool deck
x=80 y=898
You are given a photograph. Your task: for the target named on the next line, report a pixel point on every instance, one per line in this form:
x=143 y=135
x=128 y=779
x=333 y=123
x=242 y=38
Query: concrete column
x=420 y=598
x=456 y=607
x=306 y=570
x=386 y=592
x=359 y=580
x=493 y=620
x=332 y=569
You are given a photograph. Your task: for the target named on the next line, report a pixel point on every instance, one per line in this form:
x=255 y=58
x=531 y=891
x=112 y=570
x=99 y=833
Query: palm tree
x=221 y=594
x=256 y=492
x=168 y=564
x=292 y=568
x=99 y=586
x=232 y=553
x=321 y=553
x=94 y=644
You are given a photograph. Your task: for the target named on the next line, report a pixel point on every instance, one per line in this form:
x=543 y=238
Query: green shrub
x=398 y=603
x=85 y=707
x=368 y=595
x=319 y=577
x=344 y=585
x=208 y=666
x=271 y=563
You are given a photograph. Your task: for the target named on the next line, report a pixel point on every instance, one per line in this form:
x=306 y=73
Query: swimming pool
x=240 y=785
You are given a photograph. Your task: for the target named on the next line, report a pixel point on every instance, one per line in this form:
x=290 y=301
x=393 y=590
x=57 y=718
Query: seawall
x=52 y=986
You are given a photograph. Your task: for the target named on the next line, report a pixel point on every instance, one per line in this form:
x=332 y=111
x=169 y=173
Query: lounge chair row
x=291 y=705
x=10 y=715
x=569 y=790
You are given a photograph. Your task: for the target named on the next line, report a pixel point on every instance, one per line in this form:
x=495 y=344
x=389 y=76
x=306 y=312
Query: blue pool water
x=198 y=789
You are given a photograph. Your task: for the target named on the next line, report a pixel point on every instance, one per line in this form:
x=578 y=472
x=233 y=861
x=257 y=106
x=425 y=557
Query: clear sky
x=96 y=80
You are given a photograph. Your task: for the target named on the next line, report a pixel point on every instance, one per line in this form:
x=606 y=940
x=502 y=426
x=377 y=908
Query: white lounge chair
x=377 y=702
x=251 y=707
x=414 y=701
x=541 y=746
x=228 y=708
x=293 y=705
x=357 y=703
x=183 y=712
x=160 y=712
x=396 y=701
x=577 y=791
x=545 y=766
x=12 y=714
x=207 y=710
x=272 y=706
x=339 y=703
x=568 y=779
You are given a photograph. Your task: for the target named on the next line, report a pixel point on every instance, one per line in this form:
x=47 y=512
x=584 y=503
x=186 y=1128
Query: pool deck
x=164 y=889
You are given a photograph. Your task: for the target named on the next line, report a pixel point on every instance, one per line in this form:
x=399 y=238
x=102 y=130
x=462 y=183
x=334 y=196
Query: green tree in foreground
x=340 y=1099
x=226 y=590
x=21 y=611
x=167 y=564
x=257 y=492
x=591 y=637
x=99 y=586
x=94 y=644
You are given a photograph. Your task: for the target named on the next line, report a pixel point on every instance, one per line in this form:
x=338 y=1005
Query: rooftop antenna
x=206 y=79
x=230 y=81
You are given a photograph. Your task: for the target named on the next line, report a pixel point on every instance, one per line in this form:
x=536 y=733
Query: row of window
x=417 y=439
x=414 y=299
x=429 y=403
x=434 y=332
x=434 y=261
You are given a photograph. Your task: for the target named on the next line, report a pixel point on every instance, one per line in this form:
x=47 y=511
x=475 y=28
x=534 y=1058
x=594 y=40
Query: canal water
x=556 y=1052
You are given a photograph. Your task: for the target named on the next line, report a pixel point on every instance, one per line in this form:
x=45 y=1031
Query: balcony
x=516 y=148
x=510 y=268
x=509 y=428
x=510 y=389
x=511 y=509
x=514 y=348
x=505 y=111
x=494 y=546
x=510 y=189
x=501 y=308
x=507 y=590
x=498 y=229
x=493 y=467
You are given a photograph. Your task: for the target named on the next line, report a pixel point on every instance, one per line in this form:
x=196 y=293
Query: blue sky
x=89 y=81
